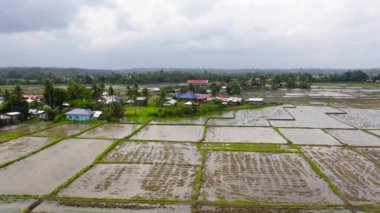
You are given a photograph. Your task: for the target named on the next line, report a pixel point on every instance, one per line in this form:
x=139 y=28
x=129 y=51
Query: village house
x=31 y=98
x=5 y=119
x=170 y=102
x=14 y=116
x=186 y=96
x=79 y=115
x=141 y=101
x=197 y=82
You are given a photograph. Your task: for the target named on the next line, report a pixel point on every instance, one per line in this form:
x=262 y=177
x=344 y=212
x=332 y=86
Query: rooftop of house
x=186 y=95
x=80 y=112
x=197 y=81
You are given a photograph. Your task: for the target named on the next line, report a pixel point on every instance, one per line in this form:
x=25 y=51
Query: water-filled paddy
x=111 y=131
x=355 y=137
x=309 y=136
x=25 y=128
x=170 y=133
x=65 y=130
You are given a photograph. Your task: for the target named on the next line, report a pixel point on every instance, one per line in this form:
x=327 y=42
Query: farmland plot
x=376 y=132
x=309 y=136
x=373 y=153
x=170 y=133
x=49 y=168
x=127 y=207
x=243 y=135
x=355 y=137
x=264 y=178
x=360 y=118
x=155 y=152
x=15 y=205
x=255 y=117
x=354 y=175
x=150 y=181
x=111 y=131
x=265 y=209
x=16 y=148
x=311 y=117
x=65 y=130
x=25 y=128
x=183 y=121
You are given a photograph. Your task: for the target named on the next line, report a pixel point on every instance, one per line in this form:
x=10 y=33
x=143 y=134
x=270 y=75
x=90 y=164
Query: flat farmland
x=312 y=117
x=16 y=148
x=155 y=152
x=43 y=172
x=25 y=128
x=354 y=175
x=243 y=135
x=254 y=117
x=170 y=133
x=355 y=137
x=373 y=153
x=149 y=181
x=263 y=178
x=360 y=118
x=65 y=130
x=110 y=131
x=309 y=136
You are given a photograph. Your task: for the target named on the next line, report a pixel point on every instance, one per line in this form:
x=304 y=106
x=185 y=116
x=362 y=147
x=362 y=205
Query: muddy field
x=64 y=130
x=355 y=137
x=263 y=178
x=355 y=176
x=16 y=148
x=155 y=152
x=360 y=118
x=25 y=128
x=170 y=133
x=150 y=181
x=311 y=117
x=309 y=136
x=255 y=117
x=243 y=135
x=46 y=170
x=127 y=207
x=373 y=153
x=111 y=131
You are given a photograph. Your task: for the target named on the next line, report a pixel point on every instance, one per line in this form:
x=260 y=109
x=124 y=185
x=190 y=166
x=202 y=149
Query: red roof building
x=203 y=97
x=197 y=82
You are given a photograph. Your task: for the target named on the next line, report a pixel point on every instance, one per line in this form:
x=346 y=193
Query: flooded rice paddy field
x=64 y=130
x=25 y=128
x=355 y=137
x=110 y=131
x=354 y=175
x=43 y=172
x=13 y=206
x=243 y=135
x=151 y=181
x=155 y=152
x=263 y=178
x=51 y=206
x=16 y=148
x=251 y=157
x=170 y=133
x=309 y=136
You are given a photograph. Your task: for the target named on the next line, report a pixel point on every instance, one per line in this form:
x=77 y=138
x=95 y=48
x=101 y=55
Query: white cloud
x=211 y=33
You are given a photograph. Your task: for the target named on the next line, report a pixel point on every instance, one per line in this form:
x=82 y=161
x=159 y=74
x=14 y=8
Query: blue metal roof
x=80 y=112
x=186 y=96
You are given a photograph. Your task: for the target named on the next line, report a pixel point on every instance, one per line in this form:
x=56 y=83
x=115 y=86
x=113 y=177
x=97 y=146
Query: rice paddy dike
x=288 y=158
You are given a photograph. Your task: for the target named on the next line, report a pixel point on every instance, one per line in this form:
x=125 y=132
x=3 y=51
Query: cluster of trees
x=15 y=102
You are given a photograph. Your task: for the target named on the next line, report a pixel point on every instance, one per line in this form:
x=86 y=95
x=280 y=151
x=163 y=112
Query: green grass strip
x=198 y=181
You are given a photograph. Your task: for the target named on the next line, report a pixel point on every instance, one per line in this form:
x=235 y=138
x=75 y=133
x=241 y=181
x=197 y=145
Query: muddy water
x=263 y=177
x=373 y=153
x=16 y=148
x=243 y=135
x=135 y=181
x=355 y=137
x=155 y=152
x=112 y=131
x=13 y=206
x=65 y=130
x=130 y=207
x=25 y=128
x=170 y=133
x=311 y=117
x=360 y=118
x=354 y=175
x=309 y=136
x=257 y=117
x=41 y=173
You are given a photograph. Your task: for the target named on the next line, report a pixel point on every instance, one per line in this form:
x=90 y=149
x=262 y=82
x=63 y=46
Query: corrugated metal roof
x=80 y=112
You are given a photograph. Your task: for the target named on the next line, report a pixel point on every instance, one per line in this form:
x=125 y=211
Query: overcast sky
x=116 y=34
